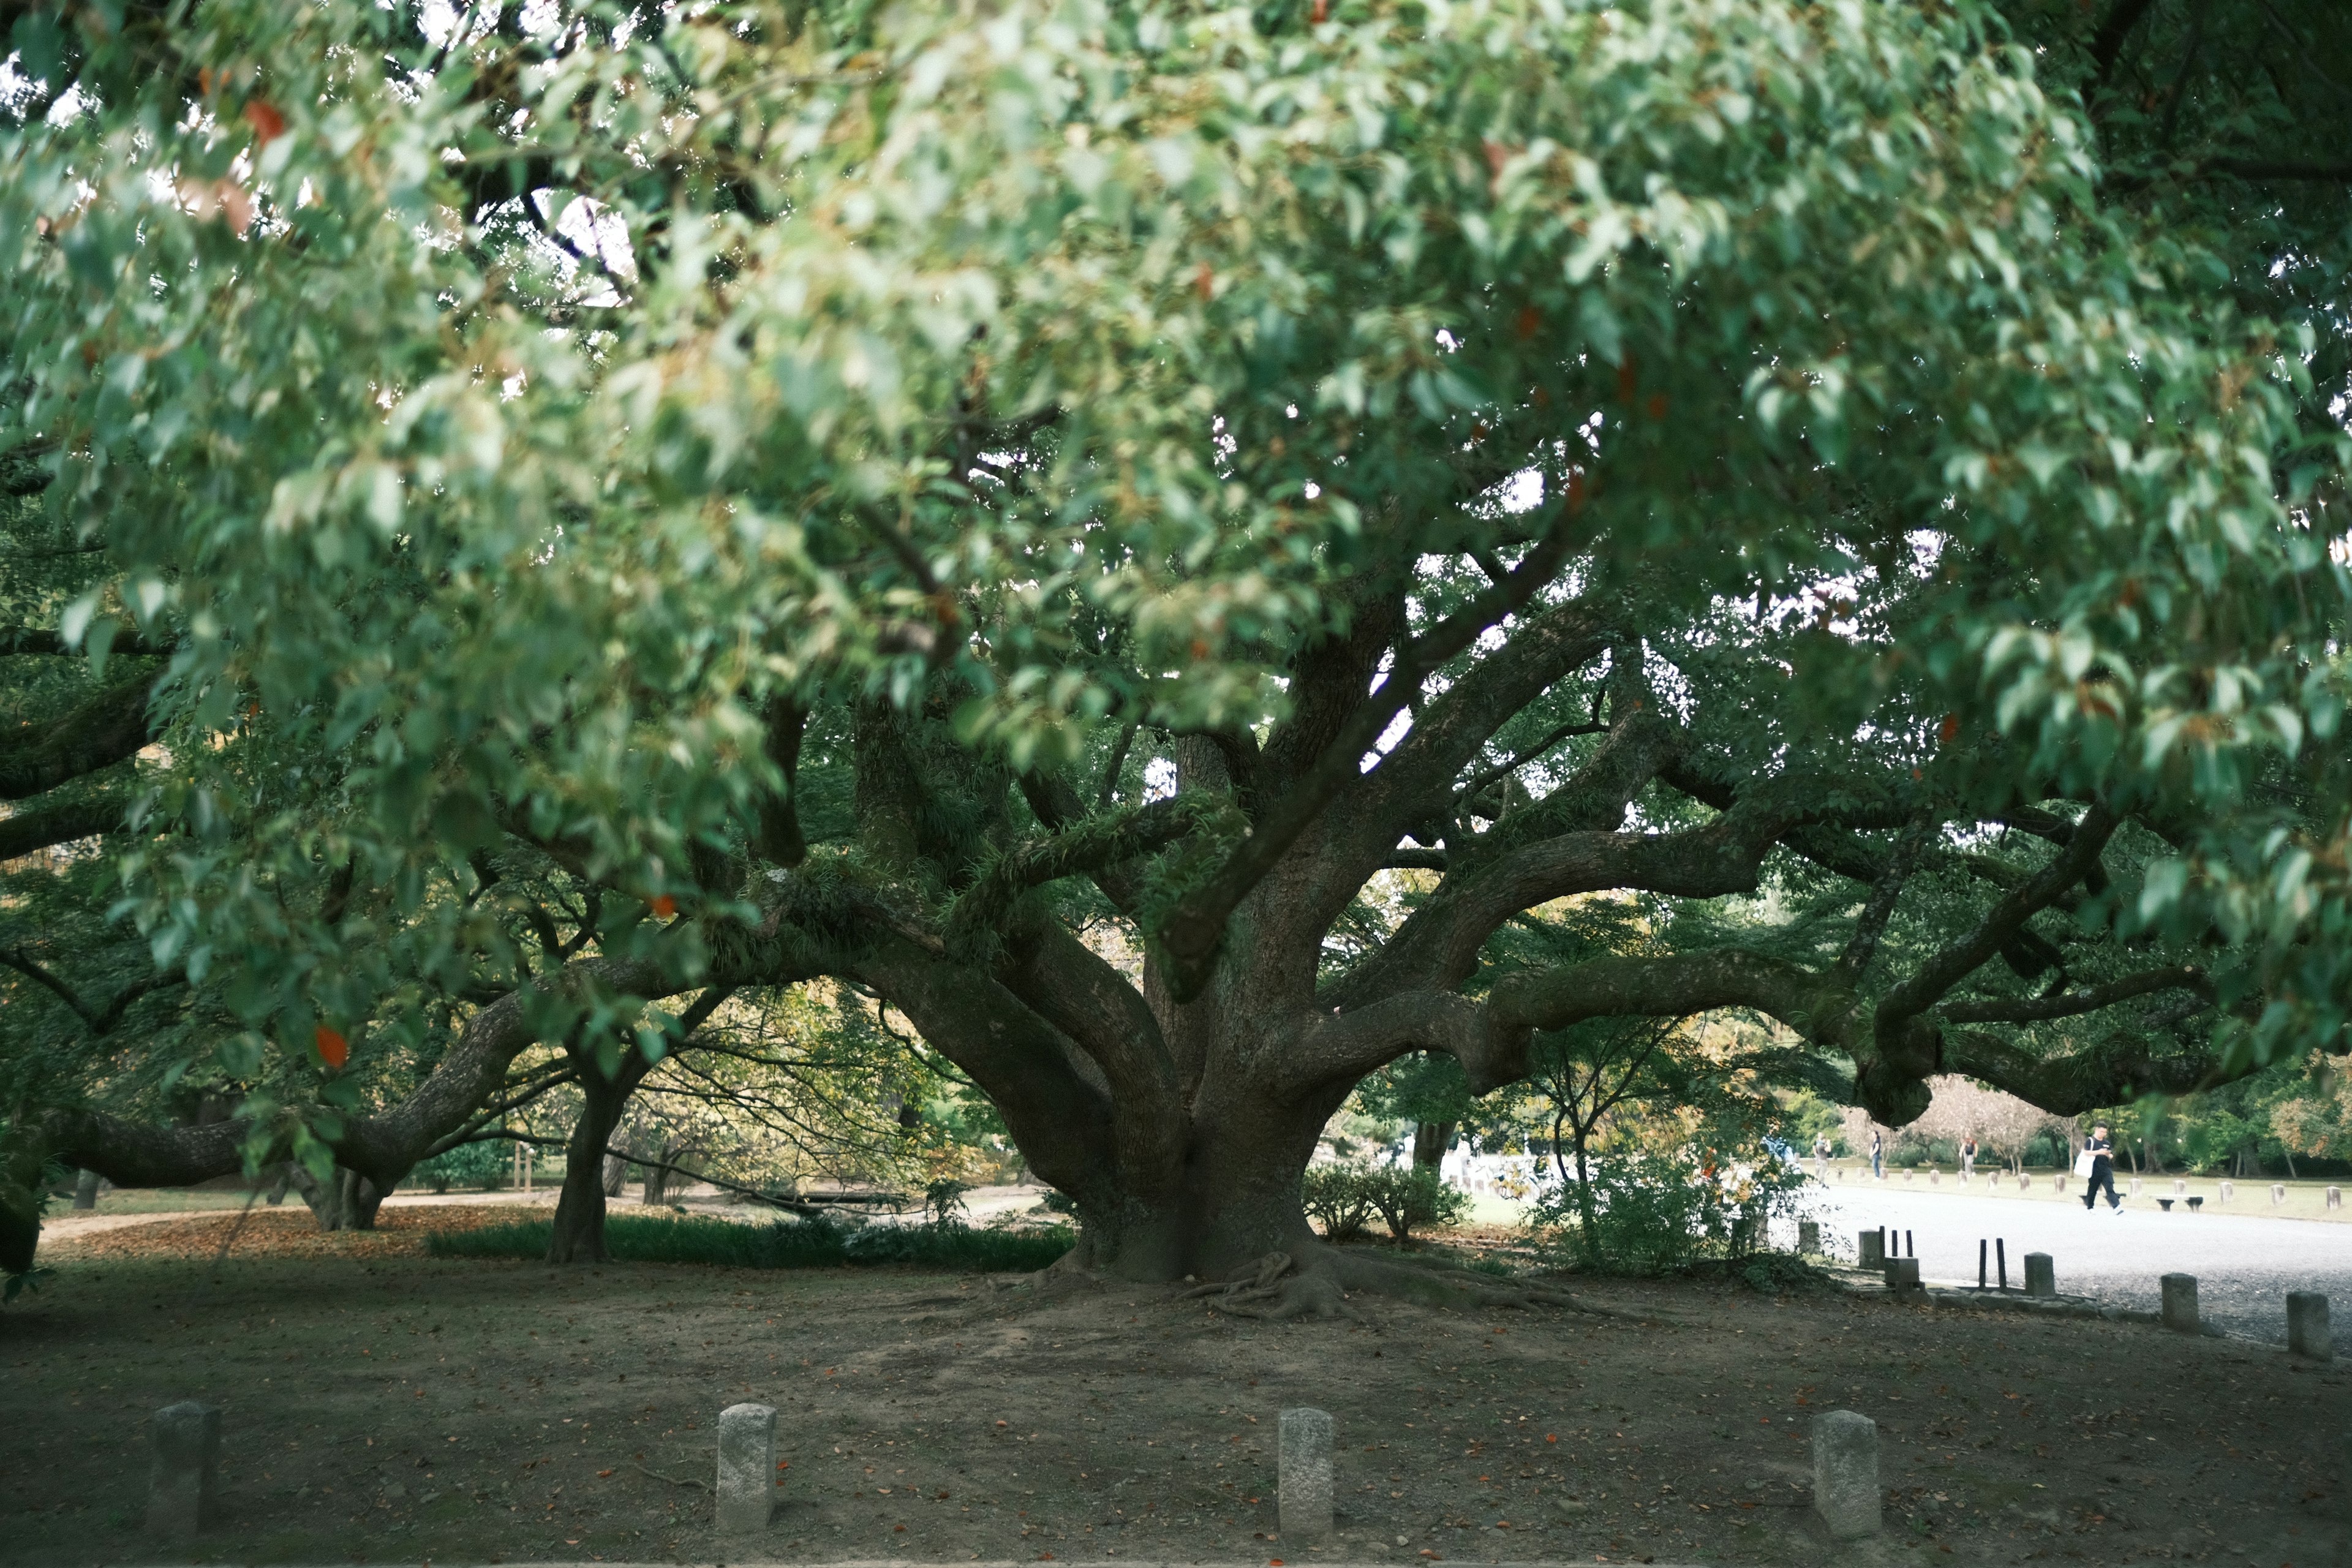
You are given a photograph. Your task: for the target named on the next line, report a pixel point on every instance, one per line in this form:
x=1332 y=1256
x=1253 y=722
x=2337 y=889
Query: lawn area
x=382 y=1405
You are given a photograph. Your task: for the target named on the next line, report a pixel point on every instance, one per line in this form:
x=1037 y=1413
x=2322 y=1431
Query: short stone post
x=747 y=1468
x=1304 y=1474
x=1902 y=1274
x=2135 y=1186
x=181 y=1482
x=2179 y=1311
x=85 y=1190
x=2229 y=1191
x=2335 y=1197
x=1845 y=1474
x=2306 y=1325
x=1870 y=1249
x=2179 y=1188
x=2278 y=1194
x=1809 y=1236
x=2040 y=1274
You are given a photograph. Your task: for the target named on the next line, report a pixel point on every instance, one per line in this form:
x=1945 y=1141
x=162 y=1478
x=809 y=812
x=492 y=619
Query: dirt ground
x=382 y=1406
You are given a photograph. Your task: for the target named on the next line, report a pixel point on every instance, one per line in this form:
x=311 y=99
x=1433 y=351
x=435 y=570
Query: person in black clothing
x=2102 y=1171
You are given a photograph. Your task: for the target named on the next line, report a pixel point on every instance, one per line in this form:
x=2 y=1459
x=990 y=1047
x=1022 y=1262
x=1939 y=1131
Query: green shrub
x=483 y=1164
x=1339 y=1196
x=1345 y=1195
x=1414 y=1197
x=1652 y=1213
x=786 y=1244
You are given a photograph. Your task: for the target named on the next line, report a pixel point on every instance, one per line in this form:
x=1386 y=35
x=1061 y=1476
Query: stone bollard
x=1809 y=1236
x=2278 y=1194
x=747 y=1468
x=2040 y=1274
x=1845 y=1474
x=1870 y=1249
x=2335 y=1197
x=2306 y=1325
x=180 y=1484
x=2229 y=1191
x=1304 y=1476
x=1935 y=1177
x=2179 y=1311
x=2135 y=1186
x=2179 y=1188
x=85 y=1190
x=1902 y=1274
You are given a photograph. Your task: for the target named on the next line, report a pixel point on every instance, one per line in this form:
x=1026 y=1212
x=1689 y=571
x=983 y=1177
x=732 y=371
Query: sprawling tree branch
x=102 y=730
x=2073 y=1004
x=1193 y=928
x=47 y=826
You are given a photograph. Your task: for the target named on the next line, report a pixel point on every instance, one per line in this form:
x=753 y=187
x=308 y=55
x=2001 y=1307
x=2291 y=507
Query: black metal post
x=1981 y=1265
x=2000 y=1256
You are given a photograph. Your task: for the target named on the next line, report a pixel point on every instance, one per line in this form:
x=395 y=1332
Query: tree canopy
x=1195 y=553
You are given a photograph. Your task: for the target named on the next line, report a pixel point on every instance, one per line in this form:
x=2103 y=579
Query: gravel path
x=2244 y=1265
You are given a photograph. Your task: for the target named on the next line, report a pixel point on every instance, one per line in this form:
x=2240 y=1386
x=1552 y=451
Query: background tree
x=788 y=493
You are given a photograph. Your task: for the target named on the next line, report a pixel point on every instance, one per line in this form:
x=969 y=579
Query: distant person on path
x=1968 y=1159
x=1821 y=1156
x=1877 y=1148
x=2101 y=1152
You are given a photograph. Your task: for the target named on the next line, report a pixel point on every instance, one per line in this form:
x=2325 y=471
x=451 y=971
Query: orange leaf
x=1530 y=321
x=665 y=906
x=1949 y=729
x=267 y=122
x=1322 y=11
x=602 y=1474
x=333 y=1049
x=1205 y=282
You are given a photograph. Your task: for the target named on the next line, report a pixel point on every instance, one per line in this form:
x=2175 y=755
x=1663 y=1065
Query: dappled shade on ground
x=416 y=1408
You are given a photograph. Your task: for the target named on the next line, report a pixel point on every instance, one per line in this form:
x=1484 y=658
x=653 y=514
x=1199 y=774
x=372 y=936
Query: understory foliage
x=1667 y=1190
x=787 y=1244
x=1346 y=1195
x=1184 y=554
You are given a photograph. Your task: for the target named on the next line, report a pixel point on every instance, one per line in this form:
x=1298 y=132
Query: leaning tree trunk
x=578 y=1236
x=1430 y=1140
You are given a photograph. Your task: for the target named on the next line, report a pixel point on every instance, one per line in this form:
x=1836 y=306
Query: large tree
x=1145 y=537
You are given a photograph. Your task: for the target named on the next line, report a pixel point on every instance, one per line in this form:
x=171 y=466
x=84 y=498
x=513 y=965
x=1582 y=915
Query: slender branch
x=2001 y=922
x=1570 y=730
x=99 y=1021
x=1855 y=960
x=2072 y=1004
x=1195 y=927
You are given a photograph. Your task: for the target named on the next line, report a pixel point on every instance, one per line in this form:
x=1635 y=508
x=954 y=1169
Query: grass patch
x=786 y=1244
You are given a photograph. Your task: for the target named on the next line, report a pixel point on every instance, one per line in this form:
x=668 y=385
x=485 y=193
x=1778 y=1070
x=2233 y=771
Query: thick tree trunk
x=616 y=1174
x=1430 y=1140
x=344 y=1201
x=578 y=1236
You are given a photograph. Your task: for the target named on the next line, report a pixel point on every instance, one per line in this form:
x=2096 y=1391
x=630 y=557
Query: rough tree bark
x=577 y=1234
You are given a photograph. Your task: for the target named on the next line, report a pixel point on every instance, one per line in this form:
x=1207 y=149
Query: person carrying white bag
x=2096 y=1164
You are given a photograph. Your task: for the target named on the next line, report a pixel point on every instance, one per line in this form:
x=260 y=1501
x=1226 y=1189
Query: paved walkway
x=2244 y=1265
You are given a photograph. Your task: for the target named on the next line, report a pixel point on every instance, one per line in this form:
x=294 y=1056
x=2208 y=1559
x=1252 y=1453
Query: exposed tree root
x=1281 y=1290
x=1317 y=1284
x=1443 y=1284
